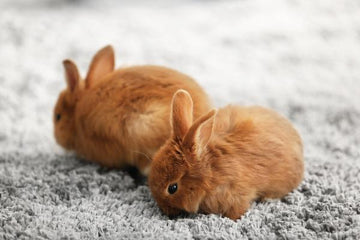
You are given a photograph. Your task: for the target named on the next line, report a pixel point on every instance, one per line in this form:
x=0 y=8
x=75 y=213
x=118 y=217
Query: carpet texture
x=301 y=58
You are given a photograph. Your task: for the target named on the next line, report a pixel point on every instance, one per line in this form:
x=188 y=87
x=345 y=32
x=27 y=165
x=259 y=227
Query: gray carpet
x=301 y=58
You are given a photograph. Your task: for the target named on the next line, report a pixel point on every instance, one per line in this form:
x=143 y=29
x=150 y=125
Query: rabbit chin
x=171 y=212
x=190 y=207
x=67 y=142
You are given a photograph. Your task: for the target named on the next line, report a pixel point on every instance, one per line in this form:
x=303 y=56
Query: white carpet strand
x=301 y=58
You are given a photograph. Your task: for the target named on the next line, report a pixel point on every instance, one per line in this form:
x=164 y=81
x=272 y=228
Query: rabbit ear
x=181 y=113
x=102 y=63
x=71 y=74
x=200 y=132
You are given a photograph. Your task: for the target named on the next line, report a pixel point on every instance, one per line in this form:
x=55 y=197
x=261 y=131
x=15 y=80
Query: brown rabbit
x=222 y=162
x=119 y=117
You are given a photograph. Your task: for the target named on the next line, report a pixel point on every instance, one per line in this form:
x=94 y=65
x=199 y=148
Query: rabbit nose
x=192 y=207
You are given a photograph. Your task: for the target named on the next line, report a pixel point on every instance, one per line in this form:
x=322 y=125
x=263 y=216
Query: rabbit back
x=263 y=146
x=125 y=117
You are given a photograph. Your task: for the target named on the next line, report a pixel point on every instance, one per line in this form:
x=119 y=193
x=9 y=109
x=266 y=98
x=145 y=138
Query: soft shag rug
x=301 y=58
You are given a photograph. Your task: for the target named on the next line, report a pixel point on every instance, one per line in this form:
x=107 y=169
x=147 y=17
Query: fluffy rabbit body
x=119 y=117
x=224 y=160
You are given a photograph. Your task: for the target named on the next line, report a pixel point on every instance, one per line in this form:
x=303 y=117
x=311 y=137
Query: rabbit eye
x=172 y=188
x=58 y=117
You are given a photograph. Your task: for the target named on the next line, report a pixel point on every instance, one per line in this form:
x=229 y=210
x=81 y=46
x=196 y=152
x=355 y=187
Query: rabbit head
x=64 y=112
x=179 y=176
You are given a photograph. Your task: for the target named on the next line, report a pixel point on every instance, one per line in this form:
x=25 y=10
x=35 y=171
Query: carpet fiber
x=301 y=58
